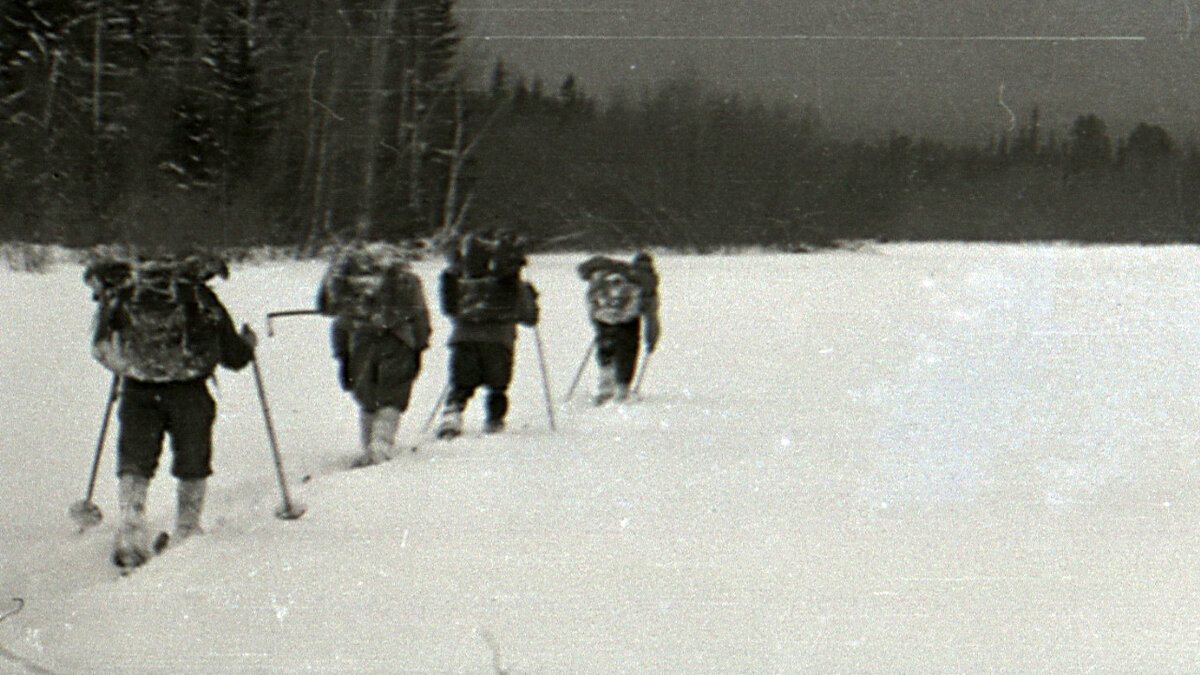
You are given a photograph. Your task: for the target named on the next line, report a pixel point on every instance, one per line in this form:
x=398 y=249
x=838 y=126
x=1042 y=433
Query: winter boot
x=190 y=503
x=381 y=437
x=607 y=387
x=497 y=408
x=622 y=392
x=451 y=424
x=366 y=428
x=366 y=422
x=132 y=547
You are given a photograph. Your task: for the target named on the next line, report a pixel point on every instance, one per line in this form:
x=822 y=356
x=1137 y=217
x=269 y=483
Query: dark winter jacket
x=378 y=344
x=499 y=332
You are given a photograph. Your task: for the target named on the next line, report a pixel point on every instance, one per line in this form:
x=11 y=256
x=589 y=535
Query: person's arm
x=237 y=349
x=529 y=311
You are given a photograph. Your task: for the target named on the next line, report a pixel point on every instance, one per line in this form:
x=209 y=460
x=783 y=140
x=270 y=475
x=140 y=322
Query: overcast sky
x=942 y=68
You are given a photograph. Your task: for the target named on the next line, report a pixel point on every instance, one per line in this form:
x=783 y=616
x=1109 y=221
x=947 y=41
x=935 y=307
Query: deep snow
x=903 y=458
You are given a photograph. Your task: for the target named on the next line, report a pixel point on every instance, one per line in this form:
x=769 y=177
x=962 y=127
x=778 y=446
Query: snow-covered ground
x=906 y=458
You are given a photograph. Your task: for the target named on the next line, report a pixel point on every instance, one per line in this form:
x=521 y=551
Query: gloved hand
x=248 y=336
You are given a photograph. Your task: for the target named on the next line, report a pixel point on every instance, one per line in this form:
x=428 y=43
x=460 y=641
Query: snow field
x=910 y=457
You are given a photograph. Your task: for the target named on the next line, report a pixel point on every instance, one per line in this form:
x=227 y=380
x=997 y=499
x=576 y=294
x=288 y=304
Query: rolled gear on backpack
x=497 y=253
x=483 y=283
x=614 y=293
x=363 y=282
x=373 y=286
x=156 y=320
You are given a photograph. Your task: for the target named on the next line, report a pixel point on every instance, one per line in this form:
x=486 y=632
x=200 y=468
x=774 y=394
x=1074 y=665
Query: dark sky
x=941 y=68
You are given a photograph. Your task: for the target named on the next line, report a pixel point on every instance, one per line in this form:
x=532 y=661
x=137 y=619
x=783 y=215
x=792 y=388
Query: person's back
x=622 y=300
x=380 y=329
x=162 y=331
x=483 y=295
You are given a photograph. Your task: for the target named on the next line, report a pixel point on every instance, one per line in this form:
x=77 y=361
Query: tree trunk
x=457 y=158
x=319 y=216
x=380 y=55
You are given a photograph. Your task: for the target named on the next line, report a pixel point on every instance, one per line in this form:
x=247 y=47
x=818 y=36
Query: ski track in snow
x=907 y=457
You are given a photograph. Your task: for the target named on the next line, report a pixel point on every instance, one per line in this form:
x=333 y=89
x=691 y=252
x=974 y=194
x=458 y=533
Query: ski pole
x=579 y=373
x=287 y=312
x=537 y=338
x=436 y=406
x=85 y=513
x=642 y=373
x=287 y=510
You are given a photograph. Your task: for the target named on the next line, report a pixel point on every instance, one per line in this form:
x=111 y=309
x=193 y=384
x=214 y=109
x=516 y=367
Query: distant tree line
x=300 y=122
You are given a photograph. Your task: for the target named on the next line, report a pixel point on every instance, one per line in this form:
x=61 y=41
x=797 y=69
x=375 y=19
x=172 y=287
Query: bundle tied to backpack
x=156 y=320
x=487 y=279
x=371 y=285
x=615 y=292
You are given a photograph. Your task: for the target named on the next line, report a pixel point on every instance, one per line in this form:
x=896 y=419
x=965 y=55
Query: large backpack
x=371 y=284
x=488 y=278
x=614 y=294
x=156 y=321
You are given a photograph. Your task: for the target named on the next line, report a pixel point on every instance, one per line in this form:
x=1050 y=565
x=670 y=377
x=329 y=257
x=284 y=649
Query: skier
x=380 y=330
x=623 y=306
x=483 y=294
x=163 y=331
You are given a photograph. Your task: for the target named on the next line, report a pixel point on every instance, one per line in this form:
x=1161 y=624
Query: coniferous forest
x=302 y=122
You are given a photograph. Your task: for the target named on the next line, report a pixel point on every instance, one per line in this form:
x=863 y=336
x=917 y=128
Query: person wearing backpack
x=622 y=303
x=380 y=330
x=482 y=293
x=163 y=332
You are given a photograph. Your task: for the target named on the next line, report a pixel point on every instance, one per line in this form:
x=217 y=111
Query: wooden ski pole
x=642 y=372
x=288 y=510
x=85 y=512
x=579 y=372
x=537 y=336
x=436 y=406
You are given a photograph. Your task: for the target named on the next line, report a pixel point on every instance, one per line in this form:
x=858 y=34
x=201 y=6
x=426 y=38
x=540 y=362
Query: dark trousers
x=475 y=364
x=617 y=346
x=149 y=411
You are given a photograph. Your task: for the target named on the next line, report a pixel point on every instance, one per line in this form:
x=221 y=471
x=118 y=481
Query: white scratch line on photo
x=821 y=38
